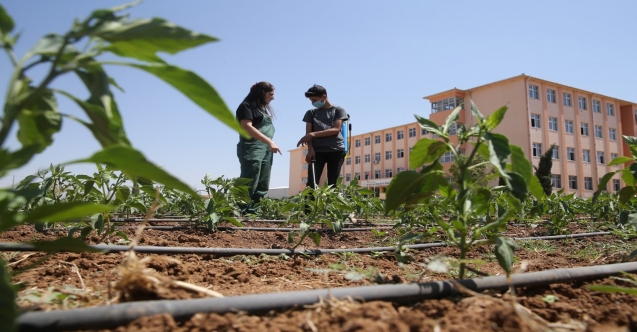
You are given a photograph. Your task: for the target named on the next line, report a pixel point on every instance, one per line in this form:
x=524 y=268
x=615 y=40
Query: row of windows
x=367 y=175
x=446 y=104
x=582 y=102
x=400 y=153
x=570 y=154
x=568 y=127
x=556 y=182
x=400 y=134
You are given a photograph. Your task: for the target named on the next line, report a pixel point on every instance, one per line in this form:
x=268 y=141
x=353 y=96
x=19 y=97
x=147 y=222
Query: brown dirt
x=87 y=280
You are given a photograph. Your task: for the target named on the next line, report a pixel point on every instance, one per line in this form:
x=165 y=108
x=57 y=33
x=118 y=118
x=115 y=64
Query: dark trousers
x=334 y=161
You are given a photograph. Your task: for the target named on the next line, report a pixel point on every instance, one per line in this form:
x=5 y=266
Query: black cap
x=316 y=91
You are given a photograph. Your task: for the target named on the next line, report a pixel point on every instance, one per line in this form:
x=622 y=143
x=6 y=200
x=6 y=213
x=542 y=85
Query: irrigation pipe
x=111 y=316
x=260 y=229
x=108 y=248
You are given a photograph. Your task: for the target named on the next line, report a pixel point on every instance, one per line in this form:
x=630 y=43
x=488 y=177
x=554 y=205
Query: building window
x=376 y=139
x=588 y=183
x=582 y=102
x=568 y=126
x=368 y=158
x=600 y=157
x=348 y=161
x=533 y=92
x=348 y=177
x=447 y=157
x=613 y=156
x=388 y=173
x=366 y=175
x=368 y=140
x=616 y=185
x=556 y=181
x=553 y=124
x=598 y=131
x=597 y=107
x=550 y=95
x=377 y=174
x=357 y=176
x=412 y=132
x=399 y=169
x=453 y=129
x=611 y=134
x=570 y=154
x=566 y=97
x=537 y=149
x=388 y=137
x=445 y=104
x=586 y=156
x=399 y=134
x=304 y=166
x=305 y=151
x=304 y=180
x=357 y=143
x=434 y=135
x=584 y=129
x=610 y=109
x=357 y=160
x=572 y=182
x=535 y=121
x=387 y=155
x=424 y=131
x=411 y=148
x=377 y=157
x=556 y=152
x=400 y=153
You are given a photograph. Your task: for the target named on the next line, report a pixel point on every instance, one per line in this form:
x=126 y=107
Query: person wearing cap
x=326 y=145
x=256 y=153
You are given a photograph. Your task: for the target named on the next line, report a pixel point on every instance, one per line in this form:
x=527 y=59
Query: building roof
x=524 y=76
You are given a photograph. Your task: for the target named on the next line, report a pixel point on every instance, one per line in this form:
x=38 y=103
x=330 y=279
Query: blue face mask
x=318 y=104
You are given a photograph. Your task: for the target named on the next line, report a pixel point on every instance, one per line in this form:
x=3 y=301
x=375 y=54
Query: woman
x=255 y=153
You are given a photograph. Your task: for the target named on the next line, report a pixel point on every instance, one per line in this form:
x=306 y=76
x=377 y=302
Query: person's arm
x=246 y=124
x=311 y=155
x=307 y=139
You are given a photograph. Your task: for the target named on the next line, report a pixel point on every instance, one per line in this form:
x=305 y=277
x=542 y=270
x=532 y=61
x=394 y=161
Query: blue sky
x=377 y=59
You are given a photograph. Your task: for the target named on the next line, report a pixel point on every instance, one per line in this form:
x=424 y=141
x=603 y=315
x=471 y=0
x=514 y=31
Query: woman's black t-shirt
x=249 y=111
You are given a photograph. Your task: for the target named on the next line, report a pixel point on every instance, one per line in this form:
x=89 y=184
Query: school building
x=585 y=126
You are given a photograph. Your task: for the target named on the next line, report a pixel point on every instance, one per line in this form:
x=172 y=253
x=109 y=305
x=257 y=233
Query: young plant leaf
x=499 y=150
x=495 y=118
x=613 y=289
x=143 y=38
x=521 y=165
x=6 y=22
x=135 y=165
x=504 y=252
x=619 y=160
x=626 y=193
x=65 y=211
x=402 y=186
x=429 y=125
x=196 y=89
x=480 y=201
x=426 y=151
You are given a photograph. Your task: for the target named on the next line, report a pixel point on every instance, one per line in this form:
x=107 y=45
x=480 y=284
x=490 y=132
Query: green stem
x=463 y=255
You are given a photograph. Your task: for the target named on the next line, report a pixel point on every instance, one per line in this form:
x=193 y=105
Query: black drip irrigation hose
x=111 y=316
x=260 y=229
x=108 y=248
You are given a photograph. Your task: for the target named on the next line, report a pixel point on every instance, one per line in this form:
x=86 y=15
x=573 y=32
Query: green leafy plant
x=33 y=108
x=469 y=224
x=543 y=170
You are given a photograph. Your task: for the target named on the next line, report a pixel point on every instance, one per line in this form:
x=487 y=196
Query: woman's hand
x=274 y=148
x=305 y=140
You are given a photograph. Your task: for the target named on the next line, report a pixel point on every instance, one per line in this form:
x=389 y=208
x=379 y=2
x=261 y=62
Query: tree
x=543 y=170
x=481 y=170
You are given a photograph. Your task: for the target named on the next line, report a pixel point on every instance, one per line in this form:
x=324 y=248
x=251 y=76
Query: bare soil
x=72 y=280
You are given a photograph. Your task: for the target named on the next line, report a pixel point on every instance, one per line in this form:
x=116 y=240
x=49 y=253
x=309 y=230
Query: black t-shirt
x=249 y=111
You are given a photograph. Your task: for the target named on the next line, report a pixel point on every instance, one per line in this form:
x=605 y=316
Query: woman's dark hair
x=257 y=96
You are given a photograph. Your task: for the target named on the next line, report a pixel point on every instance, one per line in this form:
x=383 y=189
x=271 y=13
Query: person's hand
x=310 y=156
x=274 y=148
x=305 y=140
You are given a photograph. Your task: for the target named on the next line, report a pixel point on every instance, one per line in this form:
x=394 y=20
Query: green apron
x=256 y=162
